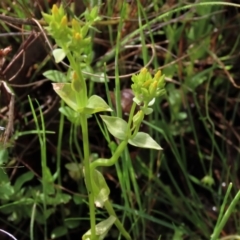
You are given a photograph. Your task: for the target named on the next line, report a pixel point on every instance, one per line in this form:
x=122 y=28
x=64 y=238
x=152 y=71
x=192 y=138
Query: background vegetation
x=182 y=192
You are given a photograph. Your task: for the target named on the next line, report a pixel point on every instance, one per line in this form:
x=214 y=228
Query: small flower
x=146 y=87
x=64 y=21
x=137 y=118
x=153 y=88
x=55 y=9
x=76 y=25
x=208 y=180
x=157 y=75
x=77 y=36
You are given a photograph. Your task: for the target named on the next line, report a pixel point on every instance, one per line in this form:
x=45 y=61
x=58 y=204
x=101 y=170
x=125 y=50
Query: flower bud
x=54 y=9
x=153 y=89
x=147 y=83
x=137 y=118
x=77 y=36
x=64 y=21
x=157 y=75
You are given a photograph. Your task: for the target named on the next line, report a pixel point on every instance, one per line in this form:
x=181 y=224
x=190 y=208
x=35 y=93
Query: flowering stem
x=86 y=161
x=107 y=163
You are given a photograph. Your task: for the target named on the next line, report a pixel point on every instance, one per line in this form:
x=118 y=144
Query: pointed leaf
x=23 y=179
x=76 y=85
x=148 y=111
x=96 y=104
x=144 y=140
x=3 y=155
x=58 y=55
x=65 y=91
x=77 y=199
x=71 y=224
x=3 y=177
x=71 y=115
x=101 y=190
x=116 y=126
x=59 y=232
x=6 y=190
x=55 y=76
x=102 y=229
x=75 y=171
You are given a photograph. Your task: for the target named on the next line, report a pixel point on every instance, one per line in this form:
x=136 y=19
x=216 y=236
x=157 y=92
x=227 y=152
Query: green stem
x=136 y=130
x=75 y=66
x=118 y=224
x=84 y=127
x=131 y=116
x=107 y=163
x=102 y=162
x=86 y=162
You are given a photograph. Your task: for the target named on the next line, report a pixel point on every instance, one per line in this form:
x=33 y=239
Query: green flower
x=208 y=180
x=146 y=88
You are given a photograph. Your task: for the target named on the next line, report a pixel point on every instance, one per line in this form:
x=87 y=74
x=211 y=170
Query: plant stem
x=131 y=117
x=102 y=162
x=106 y=163
x=86 y=161
x=118 y=224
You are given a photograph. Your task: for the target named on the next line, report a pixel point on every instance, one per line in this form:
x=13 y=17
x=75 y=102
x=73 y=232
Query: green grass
x=187 y=191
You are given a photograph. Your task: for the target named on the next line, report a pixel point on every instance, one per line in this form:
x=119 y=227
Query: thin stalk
x=225 y=217
x=101 y=162
x=58 y=156
x=32 y=221
x=59 y=146
x=117 y=80
x=118 y=224
x=45 y=170
x=86 y=162
x=107 y=163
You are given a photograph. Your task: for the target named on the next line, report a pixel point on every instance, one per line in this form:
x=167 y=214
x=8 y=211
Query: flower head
x=146 y=88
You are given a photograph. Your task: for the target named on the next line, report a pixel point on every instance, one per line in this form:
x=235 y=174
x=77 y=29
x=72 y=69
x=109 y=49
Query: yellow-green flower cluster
x=146 y=88
x=71 y=36
x=57 y=24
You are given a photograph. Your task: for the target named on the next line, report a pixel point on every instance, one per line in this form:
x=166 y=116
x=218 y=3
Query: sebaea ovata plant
x=74 y=44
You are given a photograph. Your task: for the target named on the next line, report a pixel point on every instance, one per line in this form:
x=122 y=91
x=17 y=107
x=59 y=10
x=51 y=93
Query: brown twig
x=21 y=21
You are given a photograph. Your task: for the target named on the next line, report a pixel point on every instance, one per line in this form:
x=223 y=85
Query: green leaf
x=59 y=232
x=6 y=190
x=63 y=198
x=72 y=223
x=50 y=189
x=41 y=217
x=77 y=199
x=59 y=198
x=74 y=171
x=148 y=111
x=116 y=126
x=208 y=180
x=58 y=55
x=71 y=115
x=144 y=140
x=23 y=179
x=47 y=17
x=3 y=155
x=96 y=104
x=94 y=13
x=48 y=175
x=3 y=177
x=99 y=77
x=76 y=85
x=102 y=229
x=101 y=190
x=55 y=76
x=69 y=96
x=198 y=79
